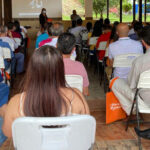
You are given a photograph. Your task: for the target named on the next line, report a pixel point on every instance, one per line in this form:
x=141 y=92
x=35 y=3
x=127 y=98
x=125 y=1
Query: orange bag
x=114 y=110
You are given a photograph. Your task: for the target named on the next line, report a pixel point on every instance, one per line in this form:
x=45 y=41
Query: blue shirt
x=124 y=46
x=40 y=38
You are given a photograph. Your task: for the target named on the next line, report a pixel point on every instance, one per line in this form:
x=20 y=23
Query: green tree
x=99 y=6
x=127 y=7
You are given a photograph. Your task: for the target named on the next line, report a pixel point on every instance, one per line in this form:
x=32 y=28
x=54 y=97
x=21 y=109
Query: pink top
x=76 y=68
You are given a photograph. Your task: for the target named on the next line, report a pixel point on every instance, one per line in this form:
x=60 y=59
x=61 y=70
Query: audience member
x=126 y=90
x=107 y=22
x=77 y=30
x=97 y=30
x=53 y=31
x=18 y=55
x=131 y=31
x=66 y=44
x=42 y=35
x=44 y=91
x=103 y=38
x=137 y=28
x=75 y=16
x=124 y=45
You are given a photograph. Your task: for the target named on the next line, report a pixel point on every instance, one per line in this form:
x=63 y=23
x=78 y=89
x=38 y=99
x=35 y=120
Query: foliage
x=82 y=2
x=127 y=7
x=99 y=6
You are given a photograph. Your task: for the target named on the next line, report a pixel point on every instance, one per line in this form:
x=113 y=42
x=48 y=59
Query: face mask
x=44 y=12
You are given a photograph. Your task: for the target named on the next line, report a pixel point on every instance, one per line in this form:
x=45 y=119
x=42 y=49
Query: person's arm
x=9 y=117
x=110 y=56
x=86 y=91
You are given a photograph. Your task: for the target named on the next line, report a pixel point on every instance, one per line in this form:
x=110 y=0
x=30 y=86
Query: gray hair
x=56 y=29
x=3 y=29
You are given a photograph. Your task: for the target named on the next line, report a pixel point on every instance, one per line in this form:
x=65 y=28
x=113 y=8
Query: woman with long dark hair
x=44 y=91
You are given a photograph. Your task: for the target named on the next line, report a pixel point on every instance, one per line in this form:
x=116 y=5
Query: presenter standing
x=43 y=17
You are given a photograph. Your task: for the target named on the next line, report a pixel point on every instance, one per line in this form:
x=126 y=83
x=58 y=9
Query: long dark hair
x=44 y=79
x=97 y=30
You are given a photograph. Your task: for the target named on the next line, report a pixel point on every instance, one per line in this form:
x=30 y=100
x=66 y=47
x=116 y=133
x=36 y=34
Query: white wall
x=32 y=8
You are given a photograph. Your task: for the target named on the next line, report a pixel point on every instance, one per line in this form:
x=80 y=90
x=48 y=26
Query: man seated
x=103 y=38
x=77 y=30
x=123 y=46
x=125 y=91
x=66 y=44
x=53 y=31
x=18 y=55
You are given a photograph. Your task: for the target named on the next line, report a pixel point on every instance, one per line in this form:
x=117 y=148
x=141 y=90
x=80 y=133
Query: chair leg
x=129 y=118
x=138 y=125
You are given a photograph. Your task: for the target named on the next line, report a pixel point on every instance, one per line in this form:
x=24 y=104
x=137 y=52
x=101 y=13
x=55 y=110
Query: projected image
x=37 y=3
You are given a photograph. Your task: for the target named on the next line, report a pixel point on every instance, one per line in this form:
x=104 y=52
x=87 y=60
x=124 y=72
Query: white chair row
x=60 y=133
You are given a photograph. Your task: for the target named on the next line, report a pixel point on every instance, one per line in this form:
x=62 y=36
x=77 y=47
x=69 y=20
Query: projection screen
x=32 y=8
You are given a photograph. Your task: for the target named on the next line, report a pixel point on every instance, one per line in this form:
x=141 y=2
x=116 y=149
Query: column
x=140 y=10
x=134 y=15
x=145 y=10
x=120 y=10
x=7 y=11
x=89 y=9
x=1 y=12
x=107 y=8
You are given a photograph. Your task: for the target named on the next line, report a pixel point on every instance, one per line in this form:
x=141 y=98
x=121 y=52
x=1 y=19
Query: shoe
x=144 y=134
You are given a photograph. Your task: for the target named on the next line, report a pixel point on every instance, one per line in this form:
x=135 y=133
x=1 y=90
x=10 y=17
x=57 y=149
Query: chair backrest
x=6 y=53
x=93 y=40
x=144 y=80
x=75 y=81
x=18 y=41
x=102 y=45
x=60 y=133
x=124 y=60
x=2 y=65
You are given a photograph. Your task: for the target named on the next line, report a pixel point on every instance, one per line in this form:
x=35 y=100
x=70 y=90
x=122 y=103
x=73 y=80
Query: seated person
x=137 y=28
x=125 y=91
x=53 y=31
x=123 y=46
x=18 y=55
x=77 y=30
x=42 y=35
x=75 y=16
x=103 y=38
x=45 y=86
x=66 y=44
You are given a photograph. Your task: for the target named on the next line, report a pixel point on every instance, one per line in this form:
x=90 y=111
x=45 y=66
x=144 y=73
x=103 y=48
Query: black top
x=42 y=19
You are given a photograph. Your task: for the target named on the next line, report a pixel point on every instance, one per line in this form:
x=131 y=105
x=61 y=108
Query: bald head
x=122 y=30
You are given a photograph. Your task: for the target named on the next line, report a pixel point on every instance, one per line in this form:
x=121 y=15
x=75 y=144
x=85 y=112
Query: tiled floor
x=108 y=137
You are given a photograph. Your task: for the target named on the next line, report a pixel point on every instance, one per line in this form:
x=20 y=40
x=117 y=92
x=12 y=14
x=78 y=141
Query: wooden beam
x=7 y=11
x=120 y=10
x=1 y=19
x=107 y=8
x=140 y=10
x=134 y=14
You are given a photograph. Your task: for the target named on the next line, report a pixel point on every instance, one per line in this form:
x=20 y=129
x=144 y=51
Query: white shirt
x=11 y=42
x=124 y=46
x=76 y=32
x=131 y=31
x=53 y=42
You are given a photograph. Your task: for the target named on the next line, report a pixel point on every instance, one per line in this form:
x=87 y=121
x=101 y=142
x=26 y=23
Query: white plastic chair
x=141 y=107
x=93 y=41
x=6 y=53
x=60 y=133
x=75 y=81
x=18 y=41
x=2 y=65
x=125 y=60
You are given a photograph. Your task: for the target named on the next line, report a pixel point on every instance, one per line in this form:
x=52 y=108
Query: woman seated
x=44 y=92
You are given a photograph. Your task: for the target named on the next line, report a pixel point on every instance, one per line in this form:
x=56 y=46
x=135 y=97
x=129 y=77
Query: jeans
x=20 y=62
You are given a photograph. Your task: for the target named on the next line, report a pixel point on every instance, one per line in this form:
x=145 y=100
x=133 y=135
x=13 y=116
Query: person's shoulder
x=135 y=42
x=14 y=100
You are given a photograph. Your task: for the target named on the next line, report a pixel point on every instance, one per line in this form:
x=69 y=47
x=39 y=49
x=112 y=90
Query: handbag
x=144 y=134
x=114 y=110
